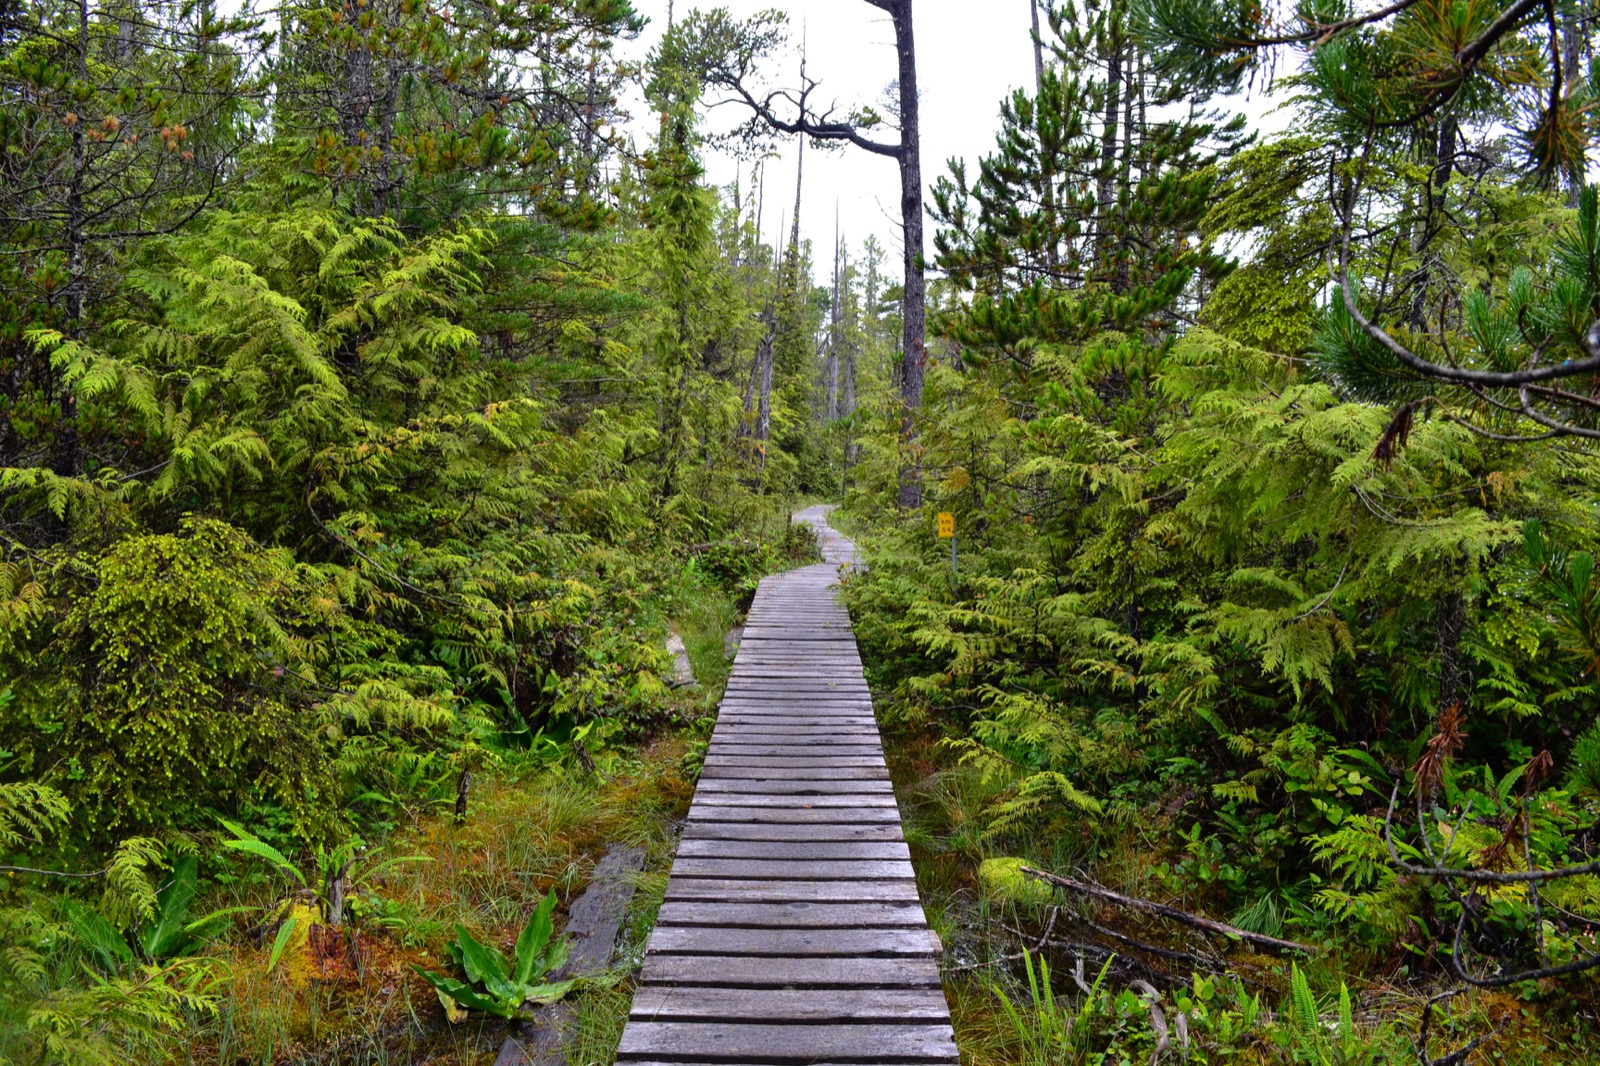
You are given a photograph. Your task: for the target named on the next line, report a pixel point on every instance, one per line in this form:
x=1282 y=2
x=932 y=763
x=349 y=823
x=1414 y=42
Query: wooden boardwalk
x=792 y=932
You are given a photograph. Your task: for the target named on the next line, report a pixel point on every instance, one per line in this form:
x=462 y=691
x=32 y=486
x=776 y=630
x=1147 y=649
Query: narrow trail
x=792 y=931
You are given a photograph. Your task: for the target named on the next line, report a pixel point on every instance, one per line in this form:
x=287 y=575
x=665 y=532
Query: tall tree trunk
x=77 y=270
x=832 y=367
x=1572 y=33
x=591 y=103
x=764 y=356
x=1439 y=150
x=914 y=355
x=1038 y=50
x=799 y=185
x=388 y=109
x=799 y=174
x=1450 y=619
x=761 y=199
x=1105 y=191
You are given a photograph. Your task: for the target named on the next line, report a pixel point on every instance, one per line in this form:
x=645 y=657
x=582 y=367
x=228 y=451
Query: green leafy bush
x=496 y=986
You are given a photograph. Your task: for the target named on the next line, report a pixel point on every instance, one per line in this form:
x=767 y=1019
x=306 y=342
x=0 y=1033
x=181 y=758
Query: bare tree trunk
x=1571 y=48
x=799 y=176
x=591 y=102
x=832 y=366
x=1450 y=619
x=1038 y=50
x=914 y=355
x=67 y=452
x=1105 y=191
x=764 y=357
x=388 y=109
x=761 y=199
x=1046 y=156
x=356 y=101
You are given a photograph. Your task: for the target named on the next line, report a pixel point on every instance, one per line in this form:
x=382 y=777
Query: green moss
x=1004 y=881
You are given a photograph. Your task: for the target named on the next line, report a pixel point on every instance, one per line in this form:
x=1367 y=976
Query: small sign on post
x=947 y=531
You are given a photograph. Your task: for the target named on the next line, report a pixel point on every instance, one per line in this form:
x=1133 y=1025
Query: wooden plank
x=729 y=810
x=788 y=751
x=720 y=890
x=680 y=1003
x=814 y=787
x=849 y=732
x=801 y=719
x=791 y=751
x=734 y=971
x=777 y=849
x=793 y=915
x=782 y=762
x=788 y=698
x=799 y=712
x=856 y=727
x=735 y=770
x=787 y=943
x=729 y=750
x=816 y=666
x=702 y=830
x=754 y=1042
x=796 y=747
x=794 y=802
x=793 y=869
x=796 y=687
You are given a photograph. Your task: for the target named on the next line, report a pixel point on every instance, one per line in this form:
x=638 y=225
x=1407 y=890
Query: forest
x=384 y=384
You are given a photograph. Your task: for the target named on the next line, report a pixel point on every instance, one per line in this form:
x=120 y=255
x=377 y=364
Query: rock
x=682 y=668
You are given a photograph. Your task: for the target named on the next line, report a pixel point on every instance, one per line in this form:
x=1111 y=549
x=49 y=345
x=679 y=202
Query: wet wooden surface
x=792 y=932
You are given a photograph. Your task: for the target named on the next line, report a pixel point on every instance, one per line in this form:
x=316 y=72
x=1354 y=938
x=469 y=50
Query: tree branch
x=1164 y=911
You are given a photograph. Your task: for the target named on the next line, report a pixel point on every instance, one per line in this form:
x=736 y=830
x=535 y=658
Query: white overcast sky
x=970 y=55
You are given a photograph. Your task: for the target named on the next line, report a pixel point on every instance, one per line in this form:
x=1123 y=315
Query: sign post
x=947 y=531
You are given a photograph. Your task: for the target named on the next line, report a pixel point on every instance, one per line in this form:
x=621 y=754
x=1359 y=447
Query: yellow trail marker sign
x=947 y=525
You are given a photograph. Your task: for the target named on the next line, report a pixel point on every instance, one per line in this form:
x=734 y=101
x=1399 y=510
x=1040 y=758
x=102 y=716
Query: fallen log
x=1164 y=911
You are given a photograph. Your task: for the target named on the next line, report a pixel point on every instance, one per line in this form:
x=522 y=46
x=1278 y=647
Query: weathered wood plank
x=729 y=810
x=851 y=728
x=814 y=787
x=781 y=762
x=793 y=869
x=753 y=1042
x=735 y=971
x=793 y=802
x=793 y=915
x=664 y=1003
x=733 y=770
x=792 y=751
x=703 y=830
x=795 y=748
x=773 y=849
x=715 y=890
x=847 y=943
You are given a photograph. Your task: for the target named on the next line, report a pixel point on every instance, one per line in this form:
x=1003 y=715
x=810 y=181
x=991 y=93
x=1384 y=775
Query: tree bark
x=1105 y=192
x=1450 y=619
x=1038 y=50
x=832 y=367
x=914 y=355
x=764 y=357
x=66 y=462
